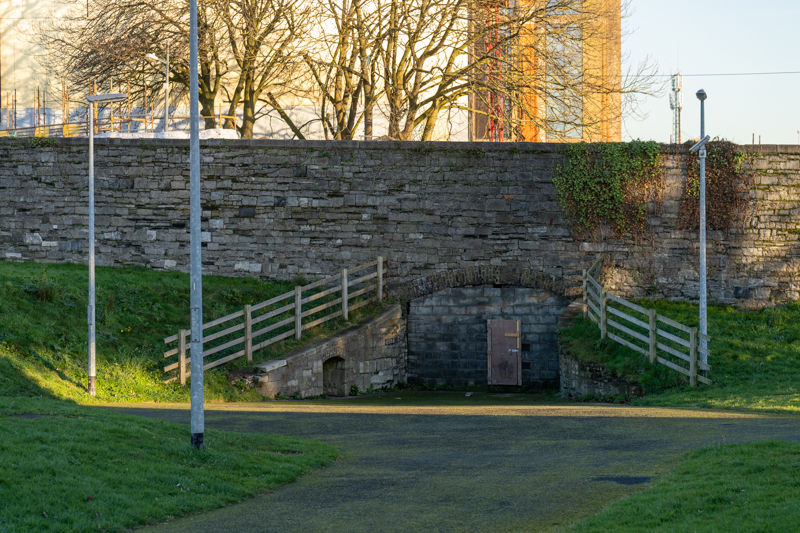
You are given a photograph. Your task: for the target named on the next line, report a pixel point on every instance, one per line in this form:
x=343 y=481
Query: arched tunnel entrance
x=333 y=377
x=488 y=327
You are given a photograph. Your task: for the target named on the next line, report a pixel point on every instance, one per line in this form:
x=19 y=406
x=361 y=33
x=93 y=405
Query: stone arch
x=472 y=276
x=448 y=314
x=334 y=376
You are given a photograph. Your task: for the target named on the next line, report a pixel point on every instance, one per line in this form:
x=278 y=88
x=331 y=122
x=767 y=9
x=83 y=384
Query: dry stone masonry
x=281 y=208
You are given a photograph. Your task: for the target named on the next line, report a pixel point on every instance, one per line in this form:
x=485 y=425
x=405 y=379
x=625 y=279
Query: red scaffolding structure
x=495 y=123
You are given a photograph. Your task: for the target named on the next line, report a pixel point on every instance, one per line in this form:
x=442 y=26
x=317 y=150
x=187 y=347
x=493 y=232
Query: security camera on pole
x=700 y=147
x=94 y=99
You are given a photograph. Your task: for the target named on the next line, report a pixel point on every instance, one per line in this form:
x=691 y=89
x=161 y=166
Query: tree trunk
x=248 y=110
x=207 y=109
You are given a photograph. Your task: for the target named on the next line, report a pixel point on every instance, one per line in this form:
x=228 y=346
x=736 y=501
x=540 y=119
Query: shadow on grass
x=16 y=381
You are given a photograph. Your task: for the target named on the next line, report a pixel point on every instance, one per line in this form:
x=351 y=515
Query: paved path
x=462 y=467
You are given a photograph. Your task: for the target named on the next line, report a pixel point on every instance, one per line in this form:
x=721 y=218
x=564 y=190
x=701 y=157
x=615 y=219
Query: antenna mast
x=676 y=104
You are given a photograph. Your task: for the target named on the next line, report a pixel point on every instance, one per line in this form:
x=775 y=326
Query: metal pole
x=703 y=288
x=166 y=94
x=196 y=278
x=90 y=310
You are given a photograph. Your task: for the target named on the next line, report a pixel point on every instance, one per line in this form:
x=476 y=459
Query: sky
x=716 y=36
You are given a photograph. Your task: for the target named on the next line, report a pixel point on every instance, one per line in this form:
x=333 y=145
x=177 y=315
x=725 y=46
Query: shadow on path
x=463 y=468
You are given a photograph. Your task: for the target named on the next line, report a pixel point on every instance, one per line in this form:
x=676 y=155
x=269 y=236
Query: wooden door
x=505 y=356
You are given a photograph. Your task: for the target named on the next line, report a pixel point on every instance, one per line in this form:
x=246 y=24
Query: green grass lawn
x=65 y=467
x=755 y=359
x=43 y=332
x=755 y=367
x=750 y=487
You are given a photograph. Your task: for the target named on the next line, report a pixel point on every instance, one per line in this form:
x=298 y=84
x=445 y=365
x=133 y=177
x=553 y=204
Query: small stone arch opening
x=334 y=377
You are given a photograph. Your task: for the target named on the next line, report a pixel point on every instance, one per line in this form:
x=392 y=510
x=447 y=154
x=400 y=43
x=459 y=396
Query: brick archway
x=472 y=276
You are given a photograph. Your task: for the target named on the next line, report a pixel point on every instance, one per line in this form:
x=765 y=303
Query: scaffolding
x=122 y=117
x=495 y=123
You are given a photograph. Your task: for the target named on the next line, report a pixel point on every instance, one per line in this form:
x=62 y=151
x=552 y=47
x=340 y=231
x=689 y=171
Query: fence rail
x=341 y=293
x=101 y=125
x=612 y=315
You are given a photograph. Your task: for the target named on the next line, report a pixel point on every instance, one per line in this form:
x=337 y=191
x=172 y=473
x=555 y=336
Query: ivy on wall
x=728 y=187
x=609 y=184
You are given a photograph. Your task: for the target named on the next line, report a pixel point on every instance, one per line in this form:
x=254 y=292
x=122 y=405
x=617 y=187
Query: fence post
x=585 y=296
x=653 y=336
x=693 y=357
x=298 y=312
x=248 y=333
x=182 y=355
x=603 y=328
x=380 y=278
x=345 y=297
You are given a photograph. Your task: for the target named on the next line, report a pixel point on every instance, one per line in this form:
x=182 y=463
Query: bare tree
x=263 y=37
x=342 y=61
x=523 y=70
x=543 y=64
x=109 y=38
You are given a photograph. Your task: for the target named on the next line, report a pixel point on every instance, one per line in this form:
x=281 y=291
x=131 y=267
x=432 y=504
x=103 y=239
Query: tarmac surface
x=434 y=462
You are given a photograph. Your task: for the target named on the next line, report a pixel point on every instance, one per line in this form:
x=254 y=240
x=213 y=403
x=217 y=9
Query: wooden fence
x=279 y=318
x=661 y=339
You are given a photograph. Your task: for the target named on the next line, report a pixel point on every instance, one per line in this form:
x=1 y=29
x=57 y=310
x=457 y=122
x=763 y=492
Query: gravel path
x=430 y=462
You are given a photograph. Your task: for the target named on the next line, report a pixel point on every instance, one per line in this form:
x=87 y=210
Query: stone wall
x=279 y=208
x=370 y=355
x=447 y=334
x=579 y=378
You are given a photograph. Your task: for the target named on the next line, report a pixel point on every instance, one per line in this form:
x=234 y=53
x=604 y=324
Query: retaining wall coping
x=271 y=365
x=525 y=147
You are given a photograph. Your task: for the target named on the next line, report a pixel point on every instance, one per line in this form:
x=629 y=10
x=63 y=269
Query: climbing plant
x=609 y=184
x=728 y=186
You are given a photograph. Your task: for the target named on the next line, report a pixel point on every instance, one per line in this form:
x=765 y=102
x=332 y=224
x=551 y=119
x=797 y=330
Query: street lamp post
x=195 y=212
x=94 y=99
x=154 y=57
x=700 y=147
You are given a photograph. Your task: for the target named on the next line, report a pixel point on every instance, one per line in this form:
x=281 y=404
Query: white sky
x=716 y=36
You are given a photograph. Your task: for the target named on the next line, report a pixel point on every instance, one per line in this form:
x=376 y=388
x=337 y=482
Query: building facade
x=568 y=73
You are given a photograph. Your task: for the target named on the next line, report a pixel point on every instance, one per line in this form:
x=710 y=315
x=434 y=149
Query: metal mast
x=195 y=213
x=676 y=104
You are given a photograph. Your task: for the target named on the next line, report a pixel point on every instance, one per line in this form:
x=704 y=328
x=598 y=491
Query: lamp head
x=107 y=98
x=701 y=95
x=701 y=144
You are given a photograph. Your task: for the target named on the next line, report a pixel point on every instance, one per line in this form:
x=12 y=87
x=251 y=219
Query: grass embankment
x=755 y=359
x=65 y=467
x=43 y=332
x=755 y=367
x=741 y=487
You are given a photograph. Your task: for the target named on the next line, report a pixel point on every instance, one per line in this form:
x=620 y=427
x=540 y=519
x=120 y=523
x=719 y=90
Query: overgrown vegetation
x=609 y=184
x=43 y=334
x=67 y=468
x=583 y=340
x=755 y=358
x=741 y=487
x=728 y=186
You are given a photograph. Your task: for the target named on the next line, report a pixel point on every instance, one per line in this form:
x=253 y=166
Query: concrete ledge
x=271 y=365
x=525 y=147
